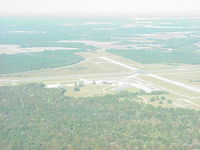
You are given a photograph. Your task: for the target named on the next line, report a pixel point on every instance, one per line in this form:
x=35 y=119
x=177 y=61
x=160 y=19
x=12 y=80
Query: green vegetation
x=37 y=60
x=160 y=99
x=152 y=56
x=195 y=81
x=152 y=99
x=169 y=101
x=76 y=89
x=163 y=98
x=33 y=117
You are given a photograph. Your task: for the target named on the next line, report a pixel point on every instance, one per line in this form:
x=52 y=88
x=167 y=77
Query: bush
x=152 y=99
x=76 y=89
x=163 y=98
x=169 y=101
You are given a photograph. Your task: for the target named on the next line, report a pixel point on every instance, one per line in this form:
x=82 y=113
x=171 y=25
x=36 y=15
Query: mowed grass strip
x=171 y=87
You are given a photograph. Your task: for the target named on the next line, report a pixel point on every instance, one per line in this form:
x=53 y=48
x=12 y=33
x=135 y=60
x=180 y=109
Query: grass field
x=88 y=91
x=188 y=77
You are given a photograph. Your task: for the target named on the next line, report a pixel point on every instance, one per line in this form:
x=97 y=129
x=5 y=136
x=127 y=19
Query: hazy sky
x=135 y=7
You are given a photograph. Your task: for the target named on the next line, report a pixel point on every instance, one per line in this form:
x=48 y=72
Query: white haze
x=105 y=7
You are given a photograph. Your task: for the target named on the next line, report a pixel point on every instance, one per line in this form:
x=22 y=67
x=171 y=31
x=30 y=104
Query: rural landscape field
x=99 y=83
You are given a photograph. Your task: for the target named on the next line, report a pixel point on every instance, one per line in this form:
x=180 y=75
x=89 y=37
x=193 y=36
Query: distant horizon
x=113 y=15
x=106 y=8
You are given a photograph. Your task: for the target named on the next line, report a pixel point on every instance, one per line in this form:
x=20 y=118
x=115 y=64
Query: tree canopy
x=33 y=117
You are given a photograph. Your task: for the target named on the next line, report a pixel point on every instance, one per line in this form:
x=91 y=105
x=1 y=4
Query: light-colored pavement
x=118 y=63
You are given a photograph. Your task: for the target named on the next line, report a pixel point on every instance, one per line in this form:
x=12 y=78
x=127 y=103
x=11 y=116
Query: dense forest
x=163 y=57
x=33 y=117
x=37 y=60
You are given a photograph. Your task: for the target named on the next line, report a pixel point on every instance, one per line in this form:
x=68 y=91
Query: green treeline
x=37 y=60
x=33 y=117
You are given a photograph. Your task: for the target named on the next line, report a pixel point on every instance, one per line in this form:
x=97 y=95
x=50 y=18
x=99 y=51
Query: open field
x=89 y=91
x=188 y=87
x=191 y=77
